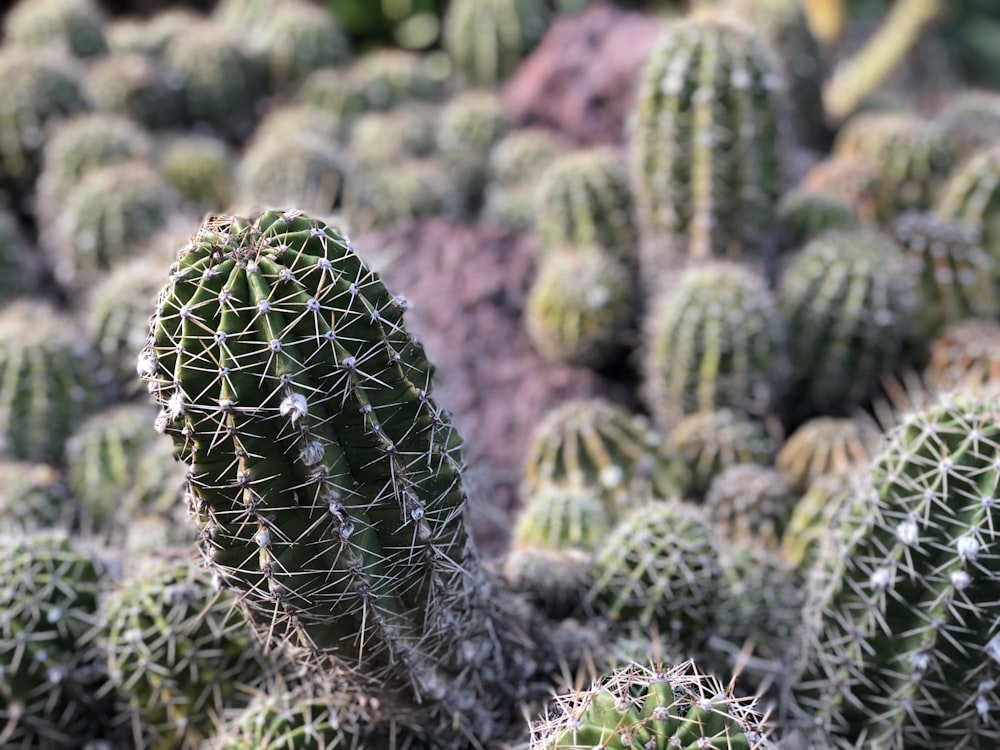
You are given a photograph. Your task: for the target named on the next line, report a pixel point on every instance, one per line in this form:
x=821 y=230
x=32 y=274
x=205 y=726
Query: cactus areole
x=324 y=479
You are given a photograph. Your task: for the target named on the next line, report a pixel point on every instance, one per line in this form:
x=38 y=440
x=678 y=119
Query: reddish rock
x=467 y=286
x=581 y=79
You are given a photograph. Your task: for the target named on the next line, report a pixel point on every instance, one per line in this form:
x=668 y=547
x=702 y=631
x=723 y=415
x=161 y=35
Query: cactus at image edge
x=54 y=690
x=853 y=180
x=848 y=299
x=714 y=339
x=971 y=120
x=21 y=265
x=972 y=195
x=656 y=708
x=326 y=481
x=699 y=198
x=179 y=651
x=599 y=445
x=50 y=381
x=487 y=39
x=76 y=27
x=965 y=356
x=901 y=647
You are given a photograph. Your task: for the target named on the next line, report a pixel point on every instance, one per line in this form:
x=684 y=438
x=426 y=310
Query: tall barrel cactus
x=706 y=144
x=325 y=479
x=901 y=646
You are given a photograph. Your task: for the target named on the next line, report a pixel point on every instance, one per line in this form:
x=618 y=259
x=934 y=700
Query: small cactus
x=129 y=84
x=201 y=169
x=562 y=516
x=853 y=180
x=307 y=172
x=750 y=504
x=805 y=213
x=827 y=446
x=813 y=520
x=405 y=189
x=75 y=27
x=653 y=707
x=383 y=138
x=33 y=496
x=378 y=80
x=965 y=356
x=972 y=195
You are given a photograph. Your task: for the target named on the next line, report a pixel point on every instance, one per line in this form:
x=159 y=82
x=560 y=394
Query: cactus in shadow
x=804 y=213
x=133 y=85
x=972 y=194
x=326 y=481
x=33 y=496
x=699 y=197
x=900 y=646
x=75 y=27
x=653 y=707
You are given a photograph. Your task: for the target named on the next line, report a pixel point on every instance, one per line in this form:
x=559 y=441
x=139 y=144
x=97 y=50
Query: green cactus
x=111 y=210
x=75 y=27
x=704 y=444
x=49 y=381
x=117 y=474
x=180 y=652
x=132 y=85
x=307 y=172
x=954 y=275
x=79 y=145
x=289 y=121
x=965 y=356
x=600 y=445
x=656 y=708
x=827 y=446
x=750 y=504
x=584 y=200
x=41 y=89
x=971 y=121
x=150 y=35
x=660 y=567
x=513 y=208
x=385 y=137
x=555 y=581
x=699 y=197
x=848 y=299
x=972 y=195
x=521 y=155
x=201 y=169
x=813 y=520
x=804 y=213
x=580 y=307
x=900 y=642
x=405 y=189
x=325 y=480
x=911 y=155
x=54 y=690
x=560 y=516
x=715 y=339
x=851 y=179
x=487 y=39
x=33 y=496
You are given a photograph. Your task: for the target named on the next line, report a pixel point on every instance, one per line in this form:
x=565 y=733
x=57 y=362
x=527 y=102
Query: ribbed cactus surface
x=901 y=642
x=325 y=479
x=972 y=194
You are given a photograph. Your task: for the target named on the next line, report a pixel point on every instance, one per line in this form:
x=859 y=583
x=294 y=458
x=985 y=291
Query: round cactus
x=560 y=516
x=382 y=138
x=580 y=307
x=848 y=298
x=520 y=156
x=805 y=213
x=179 y=651
x=379 y=80
x=289 y=121
x=553 y=580
x=910 y=154
x=600 y=445
x=200 y=168
x=49 y=381
x=704 y=444
x=827 y=446
x=971 y=121
x=307 y=172
x=965 y=356
x=405 y=189
x=656 y=708
x=33 y=496
x=53 y=681
x=972 y=195
x=750 y=504
x=134 y=86
x=660 y=567
x=813 y=521
x=900 y=642
x=487 y=39
x=150 y=35
x=715 y=339
x=40 y=90
x=79 y=145
x=584 y=200
x=954 y=275
x=74 y=26
x=853 y=180
x=112 y=209
x=325 y=480
x=698 y=197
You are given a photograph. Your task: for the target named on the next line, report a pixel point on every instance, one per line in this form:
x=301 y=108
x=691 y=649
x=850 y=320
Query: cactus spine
x=325 y=479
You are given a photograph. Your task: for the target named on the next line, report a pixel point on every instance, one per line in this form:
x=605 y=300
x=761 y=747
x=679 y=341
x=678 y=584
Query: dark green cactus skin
x=972 y=195
x=805 y=213
x=699 y=198
x=715 y=339
x=53 y=682
x=49 y=381
x=326 y=481
x=653 y=708
x=848 y=298
x=180 y=651
x=134 y=86
x=901 y=644
x=953 y=274
x=487 y=39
